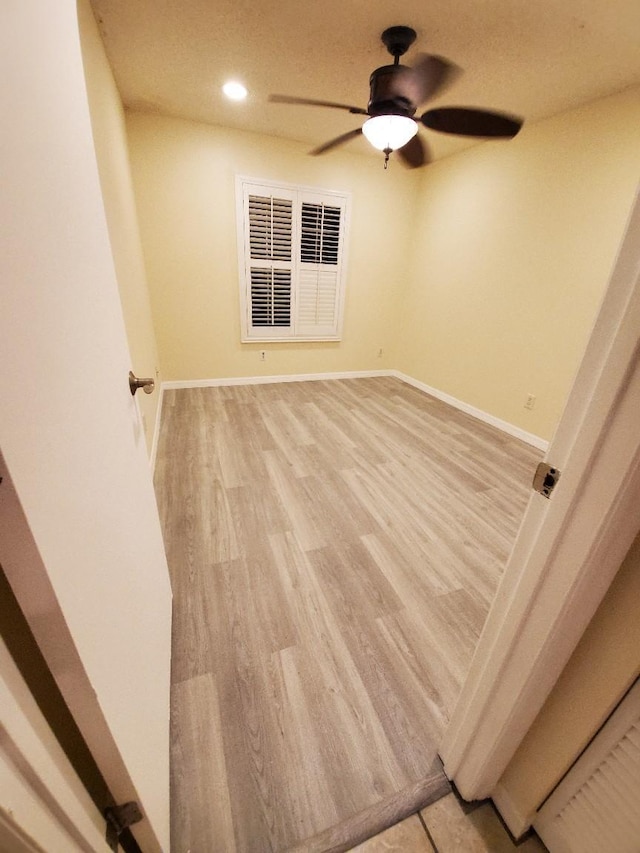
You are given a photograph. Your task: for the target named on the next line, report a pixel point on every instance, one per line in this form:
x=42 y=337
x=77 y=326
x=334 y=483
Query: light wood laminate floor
x=334 y=547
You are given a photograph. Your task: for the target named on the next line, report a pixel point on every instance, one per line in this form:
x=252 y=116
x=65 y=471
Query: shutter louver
x=270 y=226
x=320 y=234
x=270 y=297
x=317 y=293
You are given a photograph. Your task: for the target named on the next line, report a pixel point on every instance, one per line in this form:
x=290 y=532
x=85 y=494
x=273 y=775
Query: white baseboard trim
x=268 y=380
x=518 y=824
x=505 y=426
x=156 y=431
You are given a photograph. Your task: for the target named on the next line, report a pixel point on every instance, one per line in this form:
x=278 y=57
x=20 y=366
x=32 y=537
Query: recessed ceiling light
x=234 y=91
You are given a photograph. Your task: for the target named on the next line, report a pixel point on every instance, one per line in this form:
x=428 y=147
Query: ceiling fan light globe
x=389 y=132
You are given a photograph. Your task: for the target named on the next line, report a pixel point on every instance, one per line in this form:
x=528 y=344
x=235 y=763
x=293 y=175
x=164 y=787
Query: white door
x=80 y=539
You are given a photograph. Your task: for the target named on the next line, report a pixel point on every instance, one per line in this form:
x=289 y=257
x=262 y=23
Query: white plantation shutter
x=320 y=233
x=270 y=297
x=268 y=254
x=292 y=261
x=319 y=272
x=271 y=222
x=317 y=300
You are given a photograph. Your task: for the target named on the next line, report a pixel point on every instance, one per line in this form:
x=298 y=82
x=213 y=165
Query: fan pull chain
x=387 y=151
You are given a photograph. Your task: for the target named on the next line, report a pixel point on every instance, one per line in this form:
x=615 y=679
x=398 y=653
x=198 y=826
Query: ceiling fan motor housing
x=387 y=87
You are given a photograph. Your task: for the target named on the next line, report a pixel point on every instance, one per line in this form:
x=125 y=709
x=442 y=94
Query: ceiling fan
x=396 y=92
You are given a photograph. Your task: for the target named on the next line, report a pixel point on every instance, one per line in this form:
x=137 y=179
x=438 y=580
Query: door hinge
x=120 y=818
x=545 y=479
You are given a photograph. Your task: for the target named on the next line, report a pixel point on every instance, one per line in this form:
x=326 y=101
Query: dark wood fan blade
x=339 y=140
x=415 y=153
x=470 y=122
x=310 y=102
x=431 y=76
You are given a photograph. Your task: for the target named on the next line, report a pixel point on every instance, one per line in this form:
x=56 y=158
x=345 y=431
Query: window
x=291 y=246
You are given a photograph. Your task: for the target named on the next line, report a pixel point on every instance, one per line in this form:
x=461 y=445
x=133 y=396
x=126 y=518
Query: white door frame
x=568 y=549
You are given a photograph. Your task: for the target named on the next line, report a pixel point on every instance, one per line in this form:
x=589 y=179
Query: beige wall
x=107 y=120
x=480 y=275
x=184 y=175
x=604 y=664
x=514 y=243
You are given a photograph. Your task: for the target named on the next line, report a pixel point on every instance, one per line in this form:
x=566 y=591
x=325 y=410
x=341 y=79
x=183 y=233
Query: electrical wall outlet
x=263 y=354
x=380 y=353
x=530 y=401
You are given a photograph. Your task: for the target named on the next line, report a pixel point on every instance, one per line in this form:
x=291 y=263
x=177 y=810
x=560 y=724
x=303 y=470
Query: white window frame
x=246 y=186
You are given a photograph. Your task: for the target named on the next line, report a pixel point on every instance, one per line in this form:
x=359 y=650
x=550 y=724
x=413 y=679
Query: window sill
x=290 y=340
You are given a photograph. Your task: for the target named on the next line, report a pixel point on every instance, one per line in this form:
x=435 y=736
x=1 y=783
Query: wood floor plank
x=248 y=710
x=255 y=512
x=306 y=780
x=343 y=514
x=363 y=764
x=301 y=511
x=205 y=816
x=192 y=640
x=334 y=547
x=353 y=583
x=402 y=521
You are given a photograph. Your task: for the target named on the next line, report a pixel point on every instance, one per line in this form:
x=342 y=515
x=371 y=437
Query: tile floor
x=447 y=826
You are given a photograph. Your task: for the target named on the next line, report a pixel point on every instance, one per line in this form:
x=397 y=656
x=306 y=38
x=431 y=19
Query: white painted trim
x=156 y=430
x=505 y=426
x=517 y=822
x=568 y=549
x=269 y=380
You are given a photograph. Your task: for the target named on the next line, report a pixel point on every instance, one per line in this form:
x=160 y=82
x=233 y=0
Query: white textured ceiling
x=533 y=58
